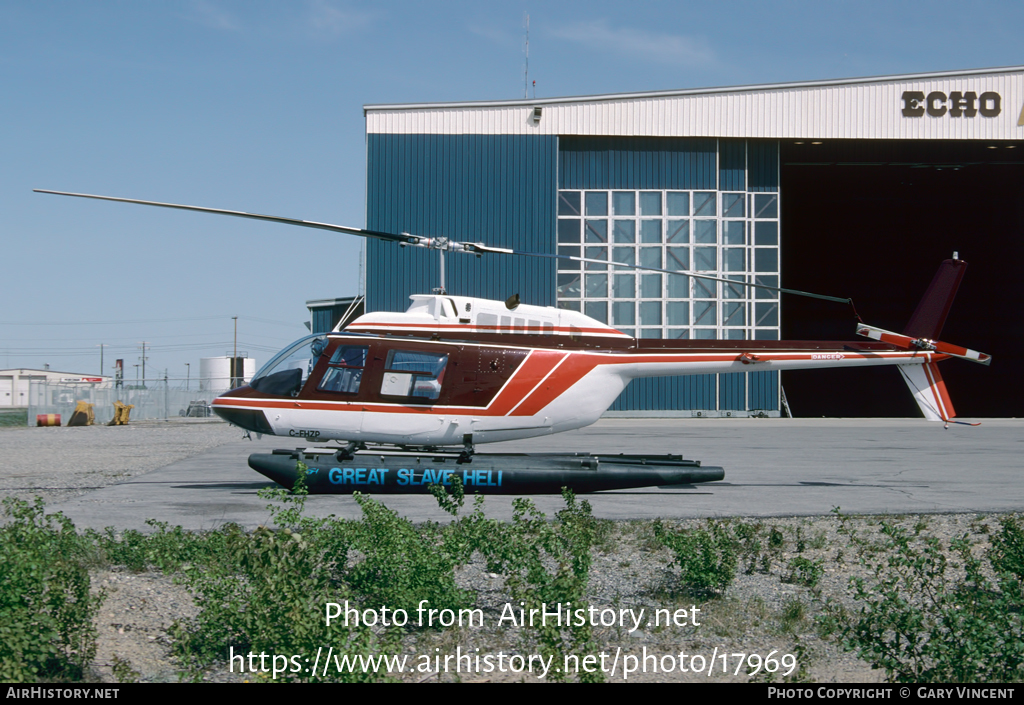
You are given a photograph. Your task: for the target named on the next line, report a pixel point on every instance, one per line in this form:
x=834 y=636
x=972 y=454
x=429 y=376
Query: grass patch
x=12 y=419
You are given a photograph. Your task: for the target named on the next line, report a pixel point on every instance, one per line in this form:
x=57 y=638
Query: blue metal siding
x=763 y=391
x=637 y=163
x=732 y=165
x=502 y=189
x=732 y=392
x=667 y=393
x=763 y=165
x=496 y=189
x=322 y=320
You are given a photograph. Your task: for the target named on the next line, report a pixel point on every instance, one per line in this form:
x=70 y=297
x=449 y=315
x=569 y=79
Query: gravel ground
x=760 y=612
x=61 y=462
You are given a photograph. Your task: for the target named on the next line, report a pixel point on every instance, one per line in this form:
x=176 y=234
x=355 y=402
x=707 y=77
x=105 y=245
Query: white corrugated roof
x=852 y=108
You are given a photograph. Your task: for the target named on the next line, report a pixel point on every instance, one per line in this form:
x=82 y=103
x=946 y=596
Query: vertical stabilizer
x=931 y=312
x=929 y=391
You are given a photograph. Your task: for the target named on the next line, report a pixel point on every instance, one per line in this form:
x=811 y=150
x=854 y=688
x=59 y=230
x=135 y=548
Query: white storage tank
x=215 y=373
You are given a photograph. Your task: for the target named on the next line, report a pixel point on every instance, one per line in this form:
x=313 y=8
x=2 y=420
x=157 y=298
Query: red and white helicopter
x=460 y=371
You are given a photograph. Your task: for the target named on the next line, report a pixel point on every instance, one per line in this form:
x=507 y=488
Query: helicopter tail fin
x=929 y=390
x=931 y=312
x=925 y=381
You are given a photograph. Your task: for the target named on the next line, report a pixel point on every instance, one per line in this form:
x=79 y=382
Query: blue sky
x=257 y=106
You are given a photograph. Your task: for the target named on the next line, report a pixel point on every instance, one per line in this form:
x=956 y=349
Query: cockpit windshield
x=288 y=370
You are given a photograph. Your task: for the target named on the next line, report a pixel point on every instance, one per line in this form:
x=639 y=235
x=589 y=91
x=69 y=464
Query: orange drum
x=48 y=420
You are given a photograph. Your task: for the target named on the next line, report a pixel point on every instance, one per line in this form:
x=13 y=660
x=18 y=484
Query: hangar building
x=853 y=188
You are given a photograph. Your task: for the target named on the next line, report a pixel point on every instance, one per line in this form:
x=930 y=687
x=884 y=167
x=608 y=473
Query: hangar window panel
x=598 y=310
x=677 y=259
x=569 y=230
x=650 y=313
x=766 y=205
x=597 y=286
x=678 y=287
x=597 y=203
x=625 y=231
x=650 y=286
x=734 y=232
x=650 y=231
x=725 y=234
x=598 y=253
x=735 y=291
x=734 y=259
x=569 y=305
x=704 y=313
x=678 y=232
x=766 y=259
x=677 y=202
x=766 y=314
x=569 y=203
x=650 y=257
x=734 y=314
x=732 y=205
x=568 y=251
x=705 y=204
x=704 y=289
x=677 y=313
x=624 y=286
x=766 y=233
x=624 y=203
x=569 y=286
x=624 y=313
x=705 y=259
x=705 y=231
x=624 y=255
x=596 y=231
x=650 y=203
x=772 y=281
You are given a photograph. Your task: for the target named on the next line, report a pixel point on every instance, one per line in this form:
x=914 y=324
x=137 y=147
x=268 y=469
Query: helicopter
x=411 y=394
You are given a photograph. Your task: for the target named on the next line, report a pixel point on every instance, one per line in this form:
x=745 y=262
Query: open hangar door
x=871 y=220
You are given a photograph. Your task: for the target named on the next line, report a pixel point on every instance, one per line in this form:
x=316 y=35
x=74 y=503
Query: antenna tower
x=526 y=69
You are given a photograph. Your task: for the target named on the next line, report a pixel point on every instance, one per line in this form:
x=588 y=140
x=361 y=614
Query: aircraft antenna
x=526 y=69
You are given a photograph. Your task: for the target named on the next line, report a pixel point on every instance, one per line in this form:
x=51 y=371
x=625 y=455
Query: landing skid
x=403 y=472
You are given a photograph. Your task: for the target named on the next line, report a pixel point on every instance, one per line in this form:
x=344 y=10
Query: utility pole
x=188 y=374
x=235 y=382
x=143 y=364
x=101 y=359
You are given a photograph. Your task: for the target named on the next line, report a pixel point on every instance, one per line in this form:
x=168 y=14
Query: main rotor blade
x=623 y=265
x=404 y=238
x=438 y=243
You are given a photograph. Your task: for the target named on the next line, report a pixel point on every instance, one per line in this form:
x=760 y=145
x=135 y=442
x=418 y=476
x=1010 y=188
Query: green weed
x=706 y=557
x=924 y=620
x=46 y=609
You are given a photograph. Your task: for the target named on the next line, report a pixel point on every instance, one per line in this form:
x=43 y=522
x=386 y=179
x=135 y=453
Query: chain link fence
x=152 y=399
